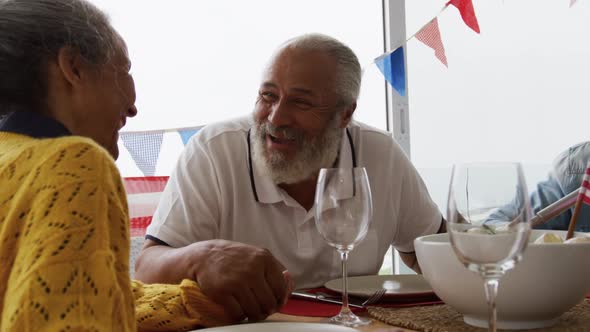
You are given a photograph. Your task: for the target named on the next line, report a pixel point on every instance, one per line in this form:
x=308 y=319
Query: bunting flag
x=144 y=149
x=572 y=2
x=430 y=36
x=186 y=134
x=392 y=66
x=467 y=13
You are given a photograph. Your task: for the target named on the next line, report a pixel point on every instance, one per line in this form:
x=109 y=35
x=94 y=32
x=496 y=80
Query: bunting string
x=144 y=146
x=392 y=65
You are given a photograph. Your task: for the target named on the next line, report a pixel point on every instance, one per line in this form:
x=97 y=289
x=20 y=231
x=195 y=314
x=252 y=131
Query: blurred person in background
x=567 y=171
x=65 y=91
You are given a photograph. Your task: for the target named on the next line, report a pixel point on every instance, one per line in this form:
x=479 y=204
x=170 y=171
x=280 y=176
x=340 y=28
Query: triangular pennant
x=392 y=66
x=572 y=2
x=467 y=13
x=144 y=149
x=186 y=134
x=430 y=36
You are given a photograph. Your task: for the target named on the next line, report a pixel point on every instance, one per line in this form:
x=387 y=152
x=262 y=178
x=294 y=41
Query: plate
x=396 y=285
x=283 y=327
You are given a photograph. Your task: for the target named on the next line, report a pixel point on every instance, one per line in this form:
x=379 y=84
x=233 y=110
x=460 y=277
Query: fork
x=375 y=297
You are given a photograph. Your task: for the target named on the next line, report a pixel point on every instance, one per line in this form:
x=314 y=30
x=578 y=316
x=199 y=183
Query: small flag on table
x=585 y=190
x=583 y=197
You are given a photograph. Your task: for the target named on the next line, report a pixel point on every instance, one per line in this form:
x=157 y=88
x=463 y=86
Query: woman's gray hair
x=348 y=83
x=33 y=31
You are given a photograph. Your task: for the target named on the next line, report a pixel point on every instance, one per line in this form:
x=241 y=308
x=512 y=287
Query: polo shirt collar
x=32 y=124
x=266 y=191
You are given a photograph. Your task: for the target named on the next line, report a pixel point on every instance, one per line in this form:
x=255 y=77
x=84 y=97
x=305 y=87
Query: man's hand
x=246 y=280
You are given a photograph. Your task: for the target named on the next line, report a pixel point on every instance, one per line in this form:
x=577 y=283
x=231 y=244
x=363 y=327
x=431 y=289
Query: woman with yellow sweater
x=65 y=91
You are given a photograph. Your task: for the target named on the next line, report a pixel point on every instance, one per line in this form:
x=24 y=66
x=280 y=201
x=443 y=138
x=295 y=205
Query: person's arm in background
x=548 y=192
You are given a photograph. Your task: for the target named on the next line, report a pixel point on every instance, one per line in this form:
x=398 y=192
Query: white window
x=196 y=62
x=516 y=92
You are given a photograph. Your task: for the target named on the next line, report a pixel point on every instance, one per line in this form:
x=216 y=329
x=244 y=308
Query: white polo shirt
x=217 y=192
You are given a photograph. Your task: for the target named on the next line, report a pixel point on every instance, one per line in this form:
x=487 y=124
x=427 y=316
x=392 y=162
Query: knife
x=323 y=298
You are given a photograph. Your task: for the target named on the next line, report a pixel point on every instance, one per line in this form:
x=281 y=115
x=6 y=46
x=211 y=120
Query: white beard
x=314 y=154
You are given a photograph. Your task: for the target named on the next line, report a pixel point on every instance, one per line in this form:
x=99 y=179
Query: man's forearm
x=162 y=264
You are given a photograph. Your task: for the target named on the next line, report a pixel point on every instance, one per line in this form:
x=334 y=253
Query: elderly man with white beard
x=237 y=214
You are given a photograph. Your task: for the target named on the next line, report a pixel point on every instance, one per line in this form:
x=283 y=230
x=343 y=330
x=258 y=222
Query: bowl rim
x=427 y=239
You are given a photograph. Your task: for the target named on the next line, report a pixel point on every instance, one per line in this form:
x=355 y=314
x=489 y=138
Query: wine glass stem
x=491 y=285
x=343 y=259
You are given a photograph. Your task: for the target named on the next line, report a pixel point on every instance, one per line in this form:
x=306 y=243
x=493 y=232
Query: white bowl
x=550 y=279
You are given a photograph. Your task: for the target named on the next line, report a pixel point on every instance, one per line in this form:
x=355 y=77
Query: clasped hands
x=248 y=281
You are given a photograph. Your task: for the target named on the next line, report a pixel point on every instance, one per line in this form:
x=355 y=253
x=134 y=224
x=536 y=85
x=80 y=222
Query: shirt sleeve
x=189 y=207
x=71 y=268
x=175 y=307
x=418 y=214
x=557 y=185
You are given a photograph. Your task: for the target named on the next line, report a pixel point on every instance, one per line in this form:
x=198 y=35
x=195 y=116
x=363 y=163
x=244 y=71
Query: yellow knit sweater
x=64 y=246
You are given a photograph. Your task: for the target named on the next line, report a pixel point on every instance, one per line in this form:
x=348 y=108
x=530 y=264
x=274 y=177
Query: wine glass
x=488 y=213
x=344 y=210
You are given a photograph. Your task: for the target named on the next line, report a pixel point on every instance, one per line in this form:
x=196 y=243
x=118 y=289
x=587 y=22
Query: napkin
x=314 y=308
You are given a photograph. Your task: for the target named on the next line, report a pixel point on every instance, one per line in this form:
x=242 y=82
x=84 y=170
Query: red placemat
x=313 y=308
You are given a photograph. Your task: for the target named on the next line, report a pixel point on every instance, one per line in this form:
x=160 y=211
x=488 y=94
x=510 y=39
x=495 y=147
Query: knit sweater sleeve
x=71 y=267
x=163 y=307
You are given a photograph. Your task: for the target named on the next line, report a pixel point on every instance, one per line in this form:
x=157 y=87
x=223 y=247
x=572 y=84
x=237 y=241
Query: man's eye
x=303 y=104
x=267 y=96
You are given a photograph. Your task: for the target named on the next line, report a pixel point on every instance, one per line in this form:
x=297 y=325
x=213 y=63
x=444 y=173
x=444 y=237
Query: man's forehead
x=295 y=89
x=301 y=71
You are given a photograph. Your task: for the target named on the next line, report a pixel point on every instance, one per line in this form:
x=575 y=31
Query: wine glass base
x=349 y=319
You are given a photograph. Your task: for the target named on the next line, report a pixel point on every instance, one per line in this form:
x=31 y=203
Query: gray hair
x=33 y=31
x=348 y=83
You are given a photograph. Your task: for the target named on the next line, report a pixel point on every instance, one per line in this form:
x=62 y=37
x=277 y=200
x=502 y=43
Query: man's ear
x=347 y=115
x=71 y=65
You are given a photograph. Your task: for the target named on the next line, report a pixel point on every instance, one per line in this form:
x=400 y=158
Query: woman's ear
x=71 y=65
x=347 y=115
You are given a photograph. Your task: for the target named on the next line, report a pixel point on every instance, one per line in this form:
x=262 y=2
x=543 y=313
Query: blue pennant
x=393 y=68
x=186 y=134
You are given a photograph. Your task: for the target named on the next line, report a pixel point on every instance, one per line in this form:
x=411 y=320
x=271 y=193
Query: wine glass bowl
x=488 y=214
x=343 y=213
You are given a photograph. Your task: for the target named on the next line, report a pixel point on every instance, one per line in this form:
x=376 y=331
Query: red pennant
x=430 y=36
x=467 y=13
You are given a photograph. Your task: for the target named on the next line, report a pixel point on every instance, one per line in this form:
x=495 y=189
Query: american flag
x=585 y=189
x=430 y=36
